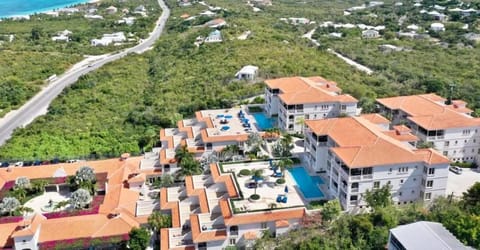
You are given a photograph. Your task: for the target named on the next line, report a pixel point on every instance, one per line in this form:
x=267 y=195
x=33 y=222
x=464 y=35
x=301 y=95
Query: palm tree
x=189 y=166
x=182 y=153
x=257 y=174
x=157 y=221
x=285 y=163
x=38 y=186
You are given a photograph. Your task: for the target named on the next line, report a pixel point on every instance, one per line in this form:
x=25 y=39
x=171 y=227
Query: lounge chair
x=277 y=174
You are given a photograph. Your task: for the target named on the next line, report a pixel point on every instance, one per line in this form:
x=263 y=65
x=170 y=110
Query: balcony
x=354 y=190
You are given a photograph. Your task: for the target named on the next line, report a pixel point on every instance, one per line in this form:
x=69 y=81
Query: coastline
x=47 y=9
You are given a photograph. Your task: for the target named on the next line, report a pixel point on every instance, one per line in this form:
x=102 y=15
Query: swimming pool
x=306 y=183
x=263 y=121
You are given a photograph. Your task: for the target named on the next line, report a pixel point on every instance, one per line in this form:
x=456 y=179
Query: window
x=232 y=241
x=429 y=184
x=403 y=170
x=401 y=181
x=388 y=182
x=343 y=107
x=399 y=193
x=425 y=168
x=376 y=184
x=445 y=153
x=428 y=196
x=353 y=198
x=263 y=225
x=466 y=132
x=431 y=171
x=390 y=170
x=447 y=143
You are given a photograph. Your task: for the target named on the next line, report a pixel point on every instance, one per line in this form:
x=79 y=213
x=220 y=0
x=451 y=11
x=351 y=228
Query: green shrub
x=255 y=197
x=280 y=181
x=296 y=160
x=464 y=164
x=244 y=172
x=255 y=109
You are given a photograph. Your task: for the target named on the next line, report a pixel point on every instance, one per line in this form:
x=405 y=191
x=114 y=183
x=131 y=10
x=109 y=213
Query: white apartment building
x=450 y=127
x=296 y=99
x=357 y=155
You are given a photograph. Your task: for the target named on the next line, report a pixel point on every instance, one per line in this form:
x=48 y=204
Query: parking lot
x=459 y=183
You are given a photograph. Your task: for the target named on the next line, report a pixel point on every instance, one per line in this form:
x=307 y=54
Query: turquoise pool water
x=306 y=183
x=263 y=121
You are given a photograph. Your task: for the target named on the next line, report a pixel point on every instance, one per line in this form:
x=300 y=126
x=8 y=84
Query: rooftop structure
x=358 y=153
x=450 y=127
x=296 y=99
x=423 y=235
x=248 y=73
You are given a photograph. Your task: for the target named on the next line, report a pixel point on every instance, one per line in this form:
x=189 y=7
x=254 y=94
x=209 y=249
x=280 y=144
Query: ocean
x=10 y=8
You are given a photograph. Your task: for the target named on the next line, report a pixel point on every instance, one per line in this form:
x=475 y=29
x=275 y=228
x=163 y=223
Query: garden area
x=53 y=197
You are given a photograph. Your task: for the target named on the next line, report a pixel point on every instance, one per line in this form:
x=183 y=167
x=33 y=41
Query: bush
x=316 y=204
x=255 y=197
x=244 y=172
x=296 y=160
x=255 y=109
x=280 y=181
x=464 y=164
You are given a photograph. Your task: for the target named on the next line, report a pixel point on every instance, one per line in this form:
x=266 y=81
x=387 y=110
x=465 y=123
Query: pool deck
x=267 y=190
x=236 y=126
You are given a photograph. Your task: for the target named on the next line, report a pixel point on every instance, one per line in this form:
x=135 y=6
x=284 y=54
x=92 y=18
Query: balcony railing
x=354 y=190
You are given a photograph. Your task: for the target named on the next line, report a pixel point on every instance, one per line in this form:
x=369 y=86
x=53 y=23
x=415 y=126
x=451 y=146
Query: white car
x=456 y=170
x=19 y=164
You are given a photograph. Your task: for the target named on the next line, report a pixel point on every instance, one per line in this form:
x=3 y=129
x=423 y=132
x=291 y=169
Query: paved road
x=38 y=105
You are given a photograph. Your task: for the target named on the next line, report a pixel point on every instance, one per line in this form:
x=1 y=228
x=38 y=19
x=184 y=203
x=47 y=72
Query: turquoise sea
x=10 y=8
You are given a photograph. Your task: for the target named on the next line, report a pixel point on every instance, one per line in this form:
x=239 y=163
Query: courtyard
x=46 y=202
x=267 y=188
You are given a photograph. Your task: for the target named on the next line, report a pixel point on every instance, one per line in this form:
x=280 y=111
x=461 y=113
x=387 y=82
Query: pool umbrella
x=286 y=189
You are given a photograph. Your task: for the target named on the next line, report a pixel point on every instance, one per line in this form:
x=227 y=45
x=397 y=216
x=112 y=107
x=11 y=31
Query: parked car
x=27 y=163
x=37 y=163
x=456 y=170
x=19 y=164
x=4 y=164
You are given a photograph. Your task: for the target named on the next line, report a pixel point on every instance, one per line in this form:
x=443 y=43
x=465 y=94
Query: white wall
x=27 y=242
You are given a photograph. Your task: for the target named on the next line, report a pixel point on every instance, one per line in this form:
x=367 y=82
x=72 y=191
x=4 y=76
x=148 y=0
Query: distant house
x=214 y=37
x=127 y=20
x=298 y=20
x=89 y=16
x=413 y=35
x=413 y=27
x=51 y=13
x=335 y=35
x=437 y=27
x=423 y=235
x=62 y=36
x=437 y=16
x=111 y=10
x=68 y=11
x=473 y=37
x=140 y=8
x=184 y=16
x=248 y=73
x=184 y=3
x=369 y=34
x=207 y=13
x=108 y=39
x=92 y=10
x=216 y=23
x=389 y=48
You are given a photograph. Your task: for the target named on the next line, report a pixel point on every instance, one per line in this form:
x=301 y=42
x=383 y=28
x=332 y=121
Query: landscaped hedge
x=280 y=181
x=244 y=172
x=255 y=197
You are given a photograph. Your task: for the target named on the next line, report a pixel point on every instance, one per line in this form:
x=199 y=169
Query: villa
x=437 y=27
x=108 y=39
x=296 y=99
x=356 y=154
x=449 y=127
x=247 y=73
x=214 y=37
x=216 y=23
x=121 y=206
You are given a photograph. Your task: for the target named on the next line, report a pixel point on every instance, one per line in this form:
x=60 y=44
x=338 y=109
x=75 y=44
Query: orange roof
x=432 y=156
x=31 y=224
x=163 y=157
x=205 y=236
x=375 y=118
x=164 y=137
x=225 y=208
x=172 y=206
x=223 y=138
x=275 y=215
x=281 y=223
x=164 y=239
x=430 y=112
x=6 y=230
x=408 y=137
x=185 y=15
x=227 y=179
x=138 y=178
x=363 y=144
x=300 y=90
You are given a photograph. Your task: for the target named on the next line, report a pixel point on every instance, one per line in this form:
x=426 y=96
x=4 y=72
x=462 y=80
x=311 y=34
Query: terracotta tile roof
x=226 y=178
x=361 y=143
x=172 y=206
x=30 y=230
x=375 y=118
x=163 y=157
x=188 y=129
x=138 y=178
x=168 y=139
x=223 y=138
x=274 y=215
x=164 y=239
x=202 y=199
x=408 y=137
x=281 y=223
x=225 y=208
x=300 y=90
x=432 y=156
x=205 y=236
x=430 y=112
x=6 y=230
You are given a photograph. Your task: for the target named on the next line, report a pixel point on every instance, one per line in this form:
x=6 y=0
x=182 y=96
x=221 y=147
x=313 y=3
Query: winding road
x=38 y=105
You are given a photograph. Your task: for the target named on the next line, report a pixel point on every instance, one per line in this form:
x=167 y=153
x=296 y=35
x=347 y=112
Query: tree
x=181 y=153
x=38 y=186
x=167 y=180
x=257 y=174
x=284 y=164
x=379 y=198
x=471 y=199
x=22 y=183
x=36 y=33
x=85 y=174
x=157 y=220
x=254 y=140
x=331 y=210
x=80 y=198
x=9 y=205
x=139 y=239
x=189 y=166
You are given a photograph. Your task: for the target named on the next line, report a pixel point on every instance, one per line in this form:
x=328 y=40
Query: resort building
x=120 y=203
x=209 y=212
x=208 y=132
x=448 y=127
x=356 y=154
x=423 y=235
x=296 y=99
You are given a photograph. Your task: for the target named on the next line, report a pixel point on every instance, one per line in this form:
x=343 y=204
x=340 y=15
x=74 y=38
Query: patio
x=41 y=204
x=267 y=189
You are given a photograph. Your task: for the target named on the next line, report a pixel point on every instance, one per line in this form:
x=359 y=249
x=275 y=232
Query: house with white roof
x=216 y=23
x=413 y=27
x=62 y=36
x=214 y=37
x=448 y=126
x=422 y=235
x=358 y=154
x=247 y=73
x=297 y=99
x=437 y=27
x=111 y=10
x=108 y=39
x=370 y=34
